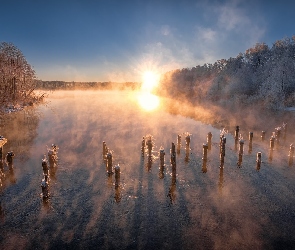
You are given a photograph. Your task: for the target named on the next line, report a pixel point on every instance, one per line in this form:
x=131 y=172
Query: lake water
x=229 y=208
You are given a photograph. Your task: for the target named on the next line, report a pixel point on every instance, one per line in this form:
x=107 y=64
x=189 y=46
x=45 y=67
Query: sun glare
x=150 y=81
x=145 y=98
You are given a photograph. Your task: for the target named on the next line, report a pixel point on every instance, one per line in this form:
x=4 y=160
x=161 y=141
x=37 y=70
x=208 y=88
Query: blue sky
x=111 y=40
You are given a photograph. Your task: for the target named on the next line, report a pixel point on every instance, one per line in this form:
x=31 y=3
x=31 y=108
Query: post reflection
x=250 y=147
x=204 y=166
x=172 y=188
x=162 y=163
x=187 y=155
x=148 y=101
x=11 y=176
x=291 y=154
x=110 y=180
x=117 y=184
x=220 y=183
x=270 y=156
x=118 y=194
x=2 y=213
x=46 y=203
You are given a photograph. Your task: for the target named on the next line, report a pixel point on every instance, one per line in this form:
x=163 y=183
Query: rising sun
x=146 y=99
x=150 y=81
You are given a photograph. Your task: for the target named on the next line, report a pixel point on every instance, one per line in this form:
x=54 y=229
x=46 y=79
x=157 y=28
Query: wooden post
x=258 y=161
x=209 y=140
x=241 y=151
x=117 y=176
x=109 y=163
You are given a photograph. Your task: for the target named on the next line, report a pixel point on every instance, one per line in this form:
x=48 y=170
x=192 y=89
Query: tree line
x=262 y=75
x=62 y=85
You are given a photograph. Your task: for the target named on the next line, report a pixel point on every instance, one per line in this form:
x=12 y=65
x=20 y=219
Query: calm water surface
x=233 y=208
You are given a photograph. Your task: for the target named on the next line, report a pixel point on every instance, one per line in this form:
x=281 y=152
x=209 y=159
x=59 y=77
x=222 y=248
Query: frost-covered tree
x=261 y=75
x=17 y=77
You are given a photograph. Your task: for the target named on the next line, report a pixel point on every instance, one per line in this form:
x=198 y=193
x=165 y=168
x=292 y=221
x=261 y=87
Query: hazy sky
x=88 y=40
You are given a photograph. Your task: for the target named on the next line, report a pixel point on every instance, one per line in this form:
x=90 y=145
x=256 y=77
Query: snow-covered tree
x=17 y=77
x=261 y=75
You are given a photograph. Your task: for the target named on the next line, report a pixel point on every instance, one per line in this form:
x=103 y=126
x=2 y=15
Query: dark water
x=233 y=208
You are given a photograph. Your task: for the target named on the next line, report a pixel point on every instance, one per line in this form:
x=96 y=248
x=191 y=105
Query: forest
x=261 y=76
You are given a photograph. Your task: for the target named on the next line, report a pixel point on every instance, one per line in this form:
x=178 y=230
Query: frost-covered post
x=104 y=149
x=178 y=143
x=241 y=151
x=209 y=140
x=278 y=135
x=9 y=159
x=142 y=146
x=2 y=143
x=187 y=140
x=2 y=175
x=162 y=157
x=173 y=153
x=109 y=163
x=204 y=158
x=272 y=143
x=45 y=187
x=187 y=144
x=117 y=176
x=205 y=150
x=162 y=163
x=250 y=142
x=258 y=160
x=251 y=136
x=45 y=166
x=222 y=151
x=149 y=144
x=237 y=133
x=291 y=154
x=52 y=155
x=222 y=147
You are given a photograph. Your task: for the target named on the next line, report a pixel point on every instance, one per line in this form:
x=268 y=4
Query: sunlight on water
x=148 y=101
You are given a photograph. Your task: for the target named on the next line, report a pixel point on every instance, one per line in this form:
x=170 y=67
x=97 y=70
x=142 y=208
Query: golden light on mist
x=148 y=101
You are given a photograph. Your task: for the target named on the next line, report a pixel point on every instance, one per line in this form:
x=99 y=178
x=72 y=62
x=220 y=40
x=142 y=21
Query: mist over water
x=231 y=208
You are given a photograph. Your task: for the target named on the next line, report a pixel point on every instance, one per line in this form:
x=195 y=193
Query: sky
x=88 y=40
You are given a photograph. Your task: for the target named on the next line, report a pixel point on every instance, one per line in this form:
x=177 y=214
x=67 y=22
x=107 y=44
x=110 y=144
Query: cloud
x=165 y=30
x=207 y=34
x=232 y=29
x=240 y=21
x=219 y=31
x=231 y=17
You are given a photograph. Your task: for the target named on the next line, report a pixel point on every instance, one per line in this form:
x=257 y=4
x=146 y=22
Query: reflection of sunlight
x=148 y=101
